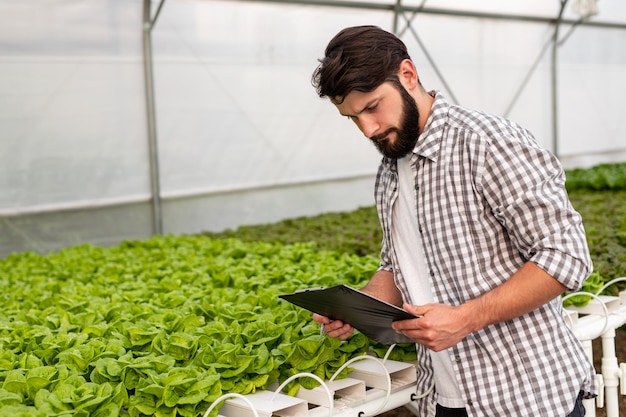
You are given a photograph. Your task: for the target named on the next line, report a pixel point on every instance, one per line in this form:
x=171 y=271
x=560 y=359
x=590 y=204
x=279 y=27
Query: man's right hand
x=334 y=328
x=381 y=286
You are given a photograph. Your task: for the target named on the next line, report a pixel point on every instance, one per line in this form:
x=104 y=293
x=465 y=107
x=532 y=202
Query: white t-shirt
x=410 y=252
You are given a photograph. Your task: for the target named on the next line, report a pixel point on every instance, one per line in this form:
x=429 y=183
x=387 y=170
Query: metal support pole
x=555 y=110
x=148 y=24
x=396 y=15
x=532 y=69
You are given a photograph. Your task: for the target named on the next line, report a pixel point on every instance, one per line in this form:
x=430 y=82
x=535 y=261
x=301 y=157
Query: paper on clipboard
x=369 y=315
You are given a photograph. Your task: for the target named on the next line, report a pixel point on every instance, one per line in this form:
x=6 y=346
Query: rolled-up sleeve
x=526 y=187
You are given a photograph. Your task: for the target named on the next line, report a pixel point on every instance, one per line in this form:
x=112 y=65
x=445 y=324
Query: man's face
x=388 y=116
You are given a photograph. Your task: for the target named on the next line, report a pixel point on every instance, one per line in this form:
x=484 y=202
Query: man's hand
x=381 y=286
x=334 y=328
x=439 y=327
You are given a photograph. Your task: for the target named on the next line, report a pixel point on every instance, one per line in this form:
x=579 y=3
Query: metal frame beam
x=398 y=7
x=153 y=152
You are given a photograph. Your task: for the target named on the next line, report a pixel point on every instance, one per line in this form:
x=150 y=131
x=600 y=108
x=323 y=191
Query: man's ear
x=407 y=74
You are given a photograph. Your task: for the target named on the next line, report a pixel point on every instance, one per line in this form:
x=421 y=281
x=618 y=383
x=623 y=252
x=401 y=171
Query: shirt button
x=470 y=403
x=432 y=273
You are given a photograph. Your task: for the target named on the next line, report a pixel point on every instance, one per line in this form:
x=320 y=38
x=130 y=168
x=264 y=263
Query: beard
x=406 y=134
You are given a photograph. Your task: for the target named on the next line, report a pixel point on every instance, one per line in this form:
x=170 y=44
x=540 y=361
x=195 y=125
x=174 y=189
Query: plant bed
x=166 y=325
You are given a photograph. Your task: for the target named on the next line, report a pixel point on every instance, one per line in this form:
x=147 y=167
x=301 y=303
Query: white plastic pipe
x=610 y=373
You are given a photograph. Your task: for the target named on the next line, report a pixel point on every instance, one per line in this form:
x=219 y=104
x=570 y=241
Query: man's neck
x=424 y=103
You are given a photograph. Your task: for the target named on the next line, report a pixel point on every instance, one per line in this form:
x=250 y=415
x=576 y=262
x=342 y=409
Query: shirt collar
x=429 y=141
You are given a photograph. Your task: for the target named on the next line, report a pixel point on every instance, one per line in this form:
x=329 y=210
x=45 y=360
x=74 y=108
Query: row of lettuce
x=163 y=327
x=598 y=193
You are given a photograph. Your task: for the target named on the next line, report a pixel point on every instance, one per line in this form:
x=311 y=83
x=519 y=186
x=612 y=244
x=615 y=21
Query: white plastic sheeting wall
x=242 y=137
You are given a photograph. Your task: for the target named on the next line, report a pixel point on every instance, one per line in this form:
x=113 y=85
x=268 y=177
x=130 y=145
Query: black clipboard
x=369 y=315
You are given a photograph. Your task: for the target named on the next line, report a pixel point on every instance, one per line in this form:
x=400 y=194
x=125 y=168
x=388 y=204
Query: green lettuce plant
x=164 y=326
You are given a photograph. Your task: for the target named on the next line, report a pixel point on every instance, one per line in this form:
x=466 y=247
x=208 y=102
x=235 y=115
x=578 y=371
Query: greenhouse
x=169 y=171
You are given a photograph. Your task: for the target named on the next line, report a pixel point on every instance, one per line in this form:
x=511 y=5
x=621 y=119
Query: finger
x=404 y=326
x=321 y=319
x=415 y=310
x=336 y=327
x=341 y=335
x=338 y=330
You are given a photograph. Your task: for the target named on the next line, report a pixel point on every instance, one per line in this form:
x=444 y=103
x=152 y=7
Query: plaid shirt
x=490 y=199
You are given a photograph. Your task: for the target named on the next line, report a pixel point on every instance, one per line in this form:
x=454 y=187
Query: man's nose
x=368 y=125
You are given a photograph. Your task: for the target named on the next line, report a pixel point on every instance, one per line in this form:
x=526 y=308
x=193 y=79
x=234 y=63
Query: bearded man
x=479 y=240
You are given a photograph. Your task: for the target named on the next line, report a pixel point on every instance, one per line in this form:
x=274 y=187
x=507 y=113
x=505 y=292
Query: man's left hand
x=439 y=326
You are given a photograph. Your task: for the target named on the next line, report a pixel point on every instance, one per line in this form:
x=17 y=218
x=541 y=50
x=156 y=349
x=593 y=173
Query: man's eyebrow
x=367 y=105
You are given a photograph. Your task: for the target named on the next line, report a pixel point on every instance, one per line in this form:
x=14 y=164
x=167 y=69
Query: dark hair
x=358 y=58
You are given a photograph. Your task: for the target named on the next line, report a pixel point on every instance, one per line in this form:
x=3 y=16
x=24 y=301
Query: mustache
x=383 y=136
